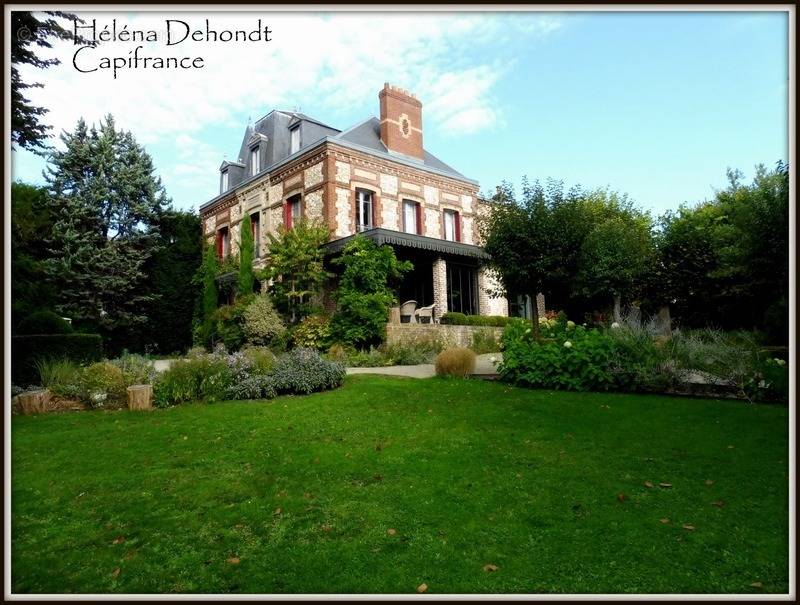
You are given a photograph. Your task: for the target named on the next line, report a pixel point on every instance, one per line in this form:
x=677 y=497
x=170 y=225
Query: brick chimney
x=401 y=121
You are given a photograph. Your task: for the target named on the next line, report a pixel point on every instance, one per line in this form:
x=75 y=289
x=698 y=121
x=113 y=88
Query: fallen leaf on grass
x=377 y=477
x=709 y=482
x=308 y=496
x=665 y=485
x=316 y=460
x=490 y=567
x=119 y=539
x=422 y=588
x=327 y=528
x=648 y=484
x=688 y=526
x=757 y=585
x=116 y=571
x=277 y=511
x=718 y=503
x=664 y=520
x=233 y=560
x=621 y=497
x=130 y=554
x=391 y=531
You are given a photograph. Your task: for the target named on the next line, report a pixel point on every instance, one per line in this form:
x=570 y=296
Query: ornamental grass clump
x=203 y=377
x=458 y=361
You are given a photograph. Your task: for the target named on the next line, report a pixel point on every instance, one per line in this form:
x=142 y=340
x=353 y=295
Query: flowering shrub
x=254 y=387
x=261 y=323
x=630 y=357
x=304 y=371
x=581 y=362
x=136 y=369
x=313 y=332
x=102 y=384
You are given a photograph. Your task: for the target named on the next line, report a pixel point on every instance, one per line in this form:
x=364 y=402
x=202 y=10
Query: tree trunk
x=617 y=305
x=33 y=402
x=140 y=397
x=535 y=317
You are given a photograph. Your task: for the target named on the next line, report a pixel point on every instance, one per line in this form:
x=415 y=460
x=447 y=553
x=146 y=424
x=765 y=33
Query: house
x=376 y=179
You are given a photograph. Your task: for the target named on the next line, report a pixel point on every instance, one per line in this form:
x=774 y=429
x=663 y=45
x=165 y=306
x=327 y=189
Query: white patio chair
x=423 y=313
x=407 y=311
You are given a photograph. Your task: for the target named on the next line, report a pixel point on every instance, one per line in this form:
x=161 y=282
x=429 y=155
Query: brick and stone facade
x=326 y=176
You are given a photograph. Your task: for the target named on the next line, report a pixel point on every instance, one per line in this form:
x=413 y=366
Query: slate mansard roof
x=272 y=133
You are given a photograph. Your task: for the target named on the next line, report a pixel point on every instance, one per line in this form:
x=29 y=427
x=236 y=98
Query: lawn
x=389 y=483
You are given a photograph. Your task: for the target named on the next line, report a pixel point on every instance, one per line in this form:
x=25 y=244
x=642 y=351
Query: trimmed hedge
x=44 y=322
x=459 y=319
x=26 y=350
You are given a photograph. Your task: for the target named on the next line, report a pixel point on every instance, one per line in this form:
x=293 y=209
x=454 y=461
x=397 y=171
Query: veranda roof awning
x=410 y=240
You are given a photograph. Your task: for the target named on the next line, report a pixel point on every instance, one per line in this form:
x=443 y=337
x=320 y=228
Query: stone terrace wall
x=451 y=336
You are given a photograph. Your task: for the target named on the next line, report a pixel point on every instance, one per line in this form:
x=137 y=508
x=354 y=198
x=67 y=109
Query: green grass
x=302 y=490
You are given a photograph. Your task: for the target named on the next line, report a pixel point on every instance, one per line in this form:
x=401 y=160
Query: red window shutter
x=457 y=220
x=287 y=215
x=418 y=214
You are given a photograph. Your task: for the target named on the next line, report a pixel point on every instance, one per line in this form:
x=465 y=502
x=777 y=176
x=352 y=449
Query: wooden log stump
x=140 y=397
x=33 y=402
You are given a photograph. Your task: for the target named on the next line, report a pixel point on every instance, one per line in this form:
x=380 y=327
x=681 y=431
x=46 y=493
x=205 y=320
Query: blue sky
x=656 y=105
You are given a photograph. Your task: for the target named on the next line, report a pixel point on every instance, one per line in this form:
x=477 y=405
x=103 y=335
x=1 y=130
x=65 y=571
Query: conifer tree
x=246 y=276
x=106 y=203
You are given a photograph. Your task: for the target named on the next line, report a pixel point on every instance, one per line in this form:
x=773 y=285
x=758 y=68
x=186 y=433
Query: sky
x=655 y=105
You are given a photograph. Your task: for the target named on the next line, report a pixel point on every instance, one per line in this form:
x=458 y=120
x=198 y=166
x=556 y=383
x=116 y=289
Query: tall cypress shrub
x=208 y=302
x=246 y=276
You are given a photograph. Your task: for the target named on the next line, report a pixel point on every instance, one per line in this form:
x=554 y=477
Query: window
x=295 y=139
x=363 y=210
x=412 y=217
x=292 y=211
x=452 y=226
x=519 y=305
x=255 y=160
x=224 y=186
x=462 y=289
x=223 y=243
x=256 y=225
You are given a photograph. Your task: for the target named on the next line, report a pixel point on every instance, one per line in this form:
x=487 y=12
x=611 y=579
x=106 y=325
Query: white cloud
x=337 y=61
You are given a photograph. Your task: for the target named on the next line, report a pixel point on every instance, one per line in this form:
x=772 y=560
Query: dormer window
x=294 y=139
x=224 y=184
x=255 y=160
